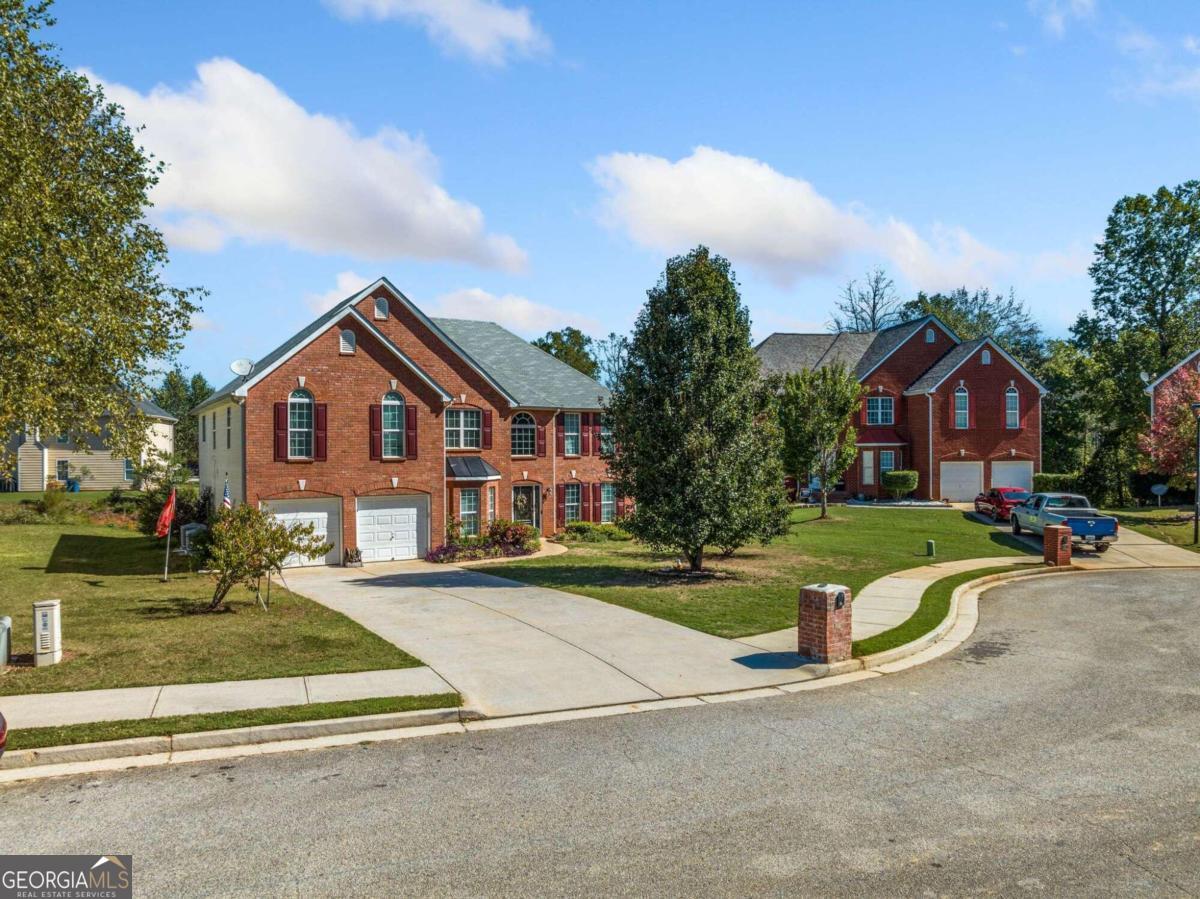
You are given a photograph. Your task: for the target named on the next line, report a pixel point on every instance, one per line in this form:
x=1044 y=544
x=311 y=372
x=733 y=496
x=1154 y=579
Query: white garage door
x=1013 y=474
x=326 y=517
x=962 y=481
x=393 y=527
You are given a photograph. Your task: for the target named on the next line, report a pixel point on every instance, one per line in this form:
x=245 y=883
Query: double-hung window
x=962 y=409
x=524 y=434
x=62 y=470
x=887 y=461
x=606 y=437
x=468 y=511
x=393 y=426
x=571 y=434
x=571 y=502
x=881 y=410
x=608 y=503
x=463 y=429
x=129 y=469
x=491 y=512
x=300 y=425
x=1012 y=409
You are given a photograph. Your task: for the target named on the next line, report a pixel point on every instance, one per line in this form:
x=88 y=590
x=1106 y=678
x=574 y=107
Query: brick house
x=964 y=415
x=377 y=422
x=1156 y=388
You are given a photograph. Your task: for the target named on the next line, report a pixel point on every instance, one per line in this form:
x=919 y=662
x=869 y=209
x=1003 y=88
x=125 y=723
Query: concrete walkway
x=891 y=600
x=514 y=649
x=85 y=706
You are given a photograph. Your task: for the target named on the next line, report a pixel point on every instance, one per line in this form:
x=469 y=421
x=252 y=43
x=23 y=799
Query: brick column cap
x=826 y=588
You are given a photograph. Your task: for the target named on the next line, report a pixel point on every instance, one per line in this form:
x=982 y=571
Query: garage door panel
x=961 y=481
x=393 y=528
x=325 y=517
x=1014 y=473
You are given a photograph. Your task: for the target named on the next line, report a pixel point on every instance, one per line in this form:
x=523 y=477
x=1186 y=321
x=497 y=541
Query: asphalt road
x=1057 y=753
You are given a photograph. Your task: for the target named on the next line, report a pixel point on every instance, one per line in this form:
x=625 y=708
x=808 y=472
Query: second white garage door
x=1013 y=474
x=325 y=515
x=393 y=527
x=961 y=481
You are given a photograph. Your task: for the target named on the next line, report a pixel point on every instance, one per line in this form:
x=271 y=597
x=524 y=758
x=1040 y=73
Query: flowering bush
x=503 y=538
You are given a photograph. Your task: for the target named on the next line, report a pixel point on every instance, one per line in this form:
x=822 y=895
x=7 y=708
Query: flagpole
x=167 y=558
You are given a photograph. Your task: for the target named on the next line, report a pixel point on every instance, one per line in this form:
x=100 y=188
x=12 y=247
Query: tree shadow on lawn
x=94 y=554
x=164 y=607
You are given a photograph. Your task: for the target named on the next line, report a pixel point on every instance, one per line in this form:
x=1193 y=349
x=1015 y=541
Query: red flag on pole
x=166 y=516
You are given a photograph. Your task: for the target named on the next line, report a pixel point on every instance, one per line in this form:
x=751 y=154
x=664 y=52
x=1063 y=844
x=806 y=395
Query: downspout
x=446 y=404
x=930 y=395
x=552 y=448
x=241 y=404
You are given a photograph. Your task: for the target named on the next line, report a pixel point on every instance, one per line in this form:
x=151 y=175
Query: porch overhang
x=470 y=468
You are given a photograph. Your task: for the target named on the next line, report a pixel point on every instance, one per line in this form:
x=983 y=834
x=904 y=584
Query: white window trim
x=347 y=342
x=868 y=468
x=568 y=505
x=879 y=417
x=608 y=507
x=523 y=422
x=461 y=430
x=985 y=358
x=391 y=398
x=129 y=473
x=890 y=455
x=965 y=411
x=305 y=397
x=465 y=515
x=1011 y=424
x=491 y=498
x=567 y=434
x=381 y=308
x=57 y=476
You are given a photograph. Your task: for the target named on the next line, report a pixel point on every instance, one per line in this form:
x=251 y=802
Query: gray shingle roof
x=858 y=350
x=530 y=376
x=944 y=366
x=149 y=408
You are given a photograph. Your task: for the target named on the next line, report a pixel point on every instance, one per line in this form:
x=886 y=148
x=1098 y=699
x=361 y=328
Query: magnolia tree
x=246 y=544
x=816 y=411
x=1170 y=444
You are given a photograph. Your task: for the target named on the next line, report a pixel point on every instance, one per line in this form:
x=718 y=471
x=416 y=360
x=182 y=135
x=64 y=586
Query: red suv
x=999 y=501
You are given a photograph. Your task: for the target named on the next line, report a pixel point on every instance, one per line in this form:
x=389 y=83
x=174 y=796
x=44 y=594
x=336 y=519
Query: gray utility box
x=5 y=640
x=47 y=633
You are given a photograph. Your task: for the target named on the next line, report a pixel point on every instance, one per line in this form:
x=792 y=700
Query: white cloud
x=1061 y=265
x=514 y=312
x=201 y=322
x=484 y=30
x=244 y=160
x=347 y=283
x=1055 y=14
x=757 y=216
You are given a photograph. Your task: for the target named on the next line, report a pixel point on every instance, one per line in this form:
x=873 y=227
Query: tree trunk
x=219 y=596
x=824 y=501
x=696 y=558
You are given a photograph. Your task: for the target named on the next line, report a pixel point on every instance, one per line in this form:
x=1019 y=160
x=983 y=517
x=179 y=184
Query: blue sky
x=535 y=164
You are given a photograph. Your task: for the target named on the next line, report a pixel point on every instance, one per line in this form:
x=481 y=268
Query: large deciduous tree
x=1170 y=441
x=816 y=411
x=610 y=353
x=868 y=305
x=84 y=308
x=982 y=313
x=695 y=431
x=179 y=394
x=572 y=346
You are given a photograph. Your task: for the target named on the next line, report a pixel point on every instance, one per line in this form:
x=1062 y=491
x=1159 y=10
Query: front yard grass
x=123 y=627
x=852 y=547
x=101 y=731
x=1170 y=524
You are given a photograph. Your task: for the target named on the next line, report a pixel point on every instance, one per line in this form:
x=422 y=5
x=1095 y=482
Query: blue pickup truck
x=1088 y=527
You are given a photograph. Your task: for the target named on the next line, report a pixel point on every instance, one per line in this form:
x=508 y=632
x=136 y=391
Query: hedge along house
x=965 y=415
x=377 y=423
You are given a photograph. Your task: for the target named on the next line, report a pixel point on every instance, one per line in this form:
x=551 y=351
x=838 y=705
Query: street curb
x=238 y=736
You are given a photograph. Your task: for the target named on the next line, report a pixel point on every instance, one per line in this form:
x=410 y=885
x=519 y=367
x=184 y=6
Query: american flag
x=226 y=500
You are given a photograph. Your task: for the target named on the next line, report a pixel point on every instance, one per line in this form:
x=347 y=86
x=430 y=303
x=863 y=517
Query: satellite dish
x=1159 y=489
x=1145 y=378
x=241 y=367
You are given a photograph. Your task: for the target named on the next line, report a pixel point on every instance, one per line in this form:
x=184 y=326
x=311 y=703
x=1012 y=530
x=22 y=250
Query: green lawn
x=34 y=737
x=1171 y=525
x=83 y=497
x=123 y=627
x=853 y=547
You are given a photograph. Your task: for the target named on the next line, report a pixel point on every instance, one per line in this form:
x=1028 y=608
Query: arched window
x=300 y=425
x=381 y=308
x=393 y=426
x=524 y=434
x=962 y=409
x=986 y=357
x=1012 y=408
x=346 y=344
x=930 y=336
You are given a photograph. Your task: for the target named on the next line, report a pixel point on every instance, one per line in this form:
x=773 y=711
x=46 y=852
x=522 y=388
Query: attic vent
x=930 y=337
x=381 y=308
x=986 y=357
x=346 y=344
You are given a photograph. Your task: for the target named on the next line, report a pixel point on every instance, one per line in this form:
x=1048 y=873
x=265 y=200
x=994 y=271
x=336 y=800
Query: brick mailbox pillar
x=823 y=630
x=1056 y=545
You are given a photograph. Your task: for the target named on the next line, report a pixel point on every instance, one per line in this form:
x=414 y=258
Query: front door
x=527 y=505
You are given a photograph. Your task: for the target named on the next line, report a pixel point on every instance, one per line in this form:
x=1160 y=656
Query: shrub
x=1049 y=482
x=514 y=539
x=503 y=538
x=588 y=532
x=54 y=503
x=899 y=483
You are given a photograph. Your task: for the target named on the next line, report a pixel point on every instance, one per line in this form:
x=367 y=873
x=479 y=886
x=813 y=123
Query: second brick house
x=376 y=423
x=965 y=415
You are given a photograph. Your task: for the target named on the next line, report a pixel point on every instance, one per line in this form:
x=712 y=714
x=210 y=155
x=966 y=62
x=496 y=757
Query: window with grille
x=468 y=511
x=1012 y=408
x=300 y=425
x=881 y=410
x=571 y=498
x=571 y=434
x=393 y=426
x=608 y=503
x=463 y=428
x=524 y=435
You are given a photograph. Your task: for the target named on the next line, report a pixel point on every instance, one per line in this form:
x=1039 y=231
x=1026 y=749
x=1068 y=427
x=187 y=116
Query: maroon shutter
x=585 y=434
x=585 y=502
x=281 y=432
x=376 y=425
x=541 y=440
x=953 y=404
x=864 y=412
x=971 y=410
x=560 y=445
x=410 y=432
x=596 y=503
x=487 y=429
x=560 y=499
x=896 y=400
x=595 y=433
x=321 y=422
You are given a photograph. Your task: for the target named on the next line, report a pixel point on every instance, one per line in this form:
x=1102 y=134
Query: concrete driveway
x=511 y=648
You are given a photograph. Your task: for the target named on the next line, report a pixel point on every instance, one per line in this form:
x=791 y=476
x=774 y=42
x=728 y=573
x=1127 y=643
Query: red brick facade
x=348 y=384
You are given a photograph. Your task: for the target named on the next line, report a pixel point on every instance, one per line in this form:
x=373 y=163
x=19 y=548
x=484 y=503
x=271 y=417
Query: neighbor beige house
x=42 y=459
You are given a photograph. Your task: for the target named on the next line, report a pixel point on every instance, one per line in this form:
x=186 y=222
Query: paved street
x=1058 y=752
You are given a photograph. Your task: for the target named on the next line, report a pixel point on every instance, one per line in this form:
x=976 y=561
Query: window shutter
x=376 y=426
x=560 y=500
x=971 y=410
x=410 y=431
x=281 y=432
x=487 y=428
x=541 y=440
x=585 y=502
x=897 y=401
x=595 y=433
x=320 y=422
x=585 y=434
x=560 y=446
x=953 y=405
x=620 y=506
x=596 y=503
x=863 y=412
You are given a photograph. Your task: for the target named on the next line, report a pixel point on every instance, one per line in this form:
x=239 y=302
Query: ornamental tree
x=696 y=438
x=1170 y=442
x=85 y=312
x=817 y=411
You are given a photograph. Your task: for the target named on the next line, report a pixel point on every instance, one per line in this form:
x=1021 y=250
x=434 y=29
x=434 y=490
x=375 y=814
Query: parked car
x=999 y=501
x=1088 y=527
